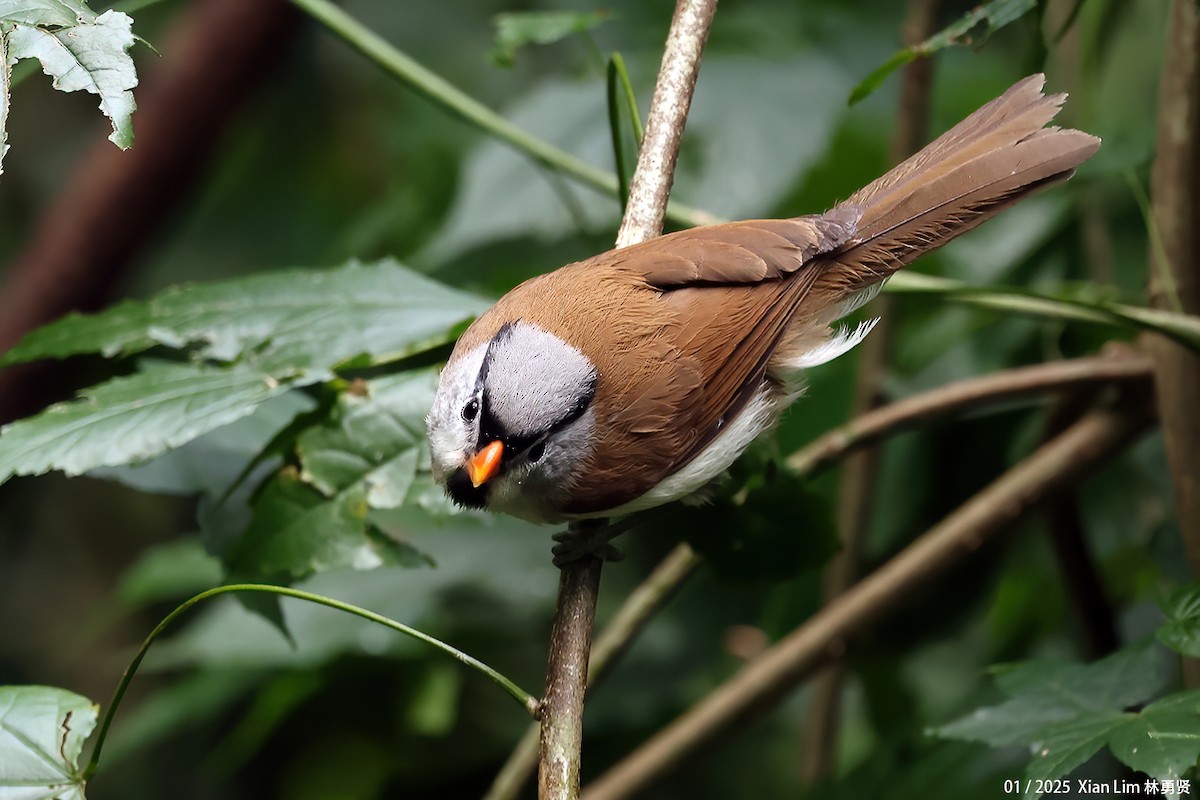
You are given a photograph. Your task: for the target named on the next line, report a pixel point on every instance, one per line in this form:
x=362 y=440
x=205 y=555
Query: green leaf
x=991 y=16
x=210 y=464
x=1043 y=694
x=1181 y=631
x=1066 y=745
x=42 y=730
x=5 y=89
x=79 y=50
x=373 y=439
x=46 y=13
x=1067 y=712
x=514 y=30
x=133 y=418
x=286 y=321
x=1164 y=740
x=296 y=531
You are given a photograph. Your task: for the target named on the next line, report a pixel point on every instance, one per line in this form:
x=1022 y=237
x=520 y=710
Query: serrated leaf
x=374 y=439
x=514 y=30
x=5 y=88
x=1159 y=743
x=42 y=731
x=1066 y=745
x=211 y=463
x=285 y=321
x=46 y=13
x=992 y=16
x=1181 y=631
x=78 y=51
x=1042 y=694
x=133 y=418
x=296 y=531
x=1067 y=712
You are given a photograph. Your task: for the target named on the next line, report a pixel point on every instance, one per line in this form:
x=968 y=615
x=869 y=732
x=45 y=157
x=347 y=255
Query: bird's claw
x=573 y=545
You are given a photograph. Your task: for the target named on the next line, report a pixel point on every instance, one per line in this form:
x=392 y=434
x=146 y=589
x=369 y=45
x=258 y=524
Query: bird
x=637 y=376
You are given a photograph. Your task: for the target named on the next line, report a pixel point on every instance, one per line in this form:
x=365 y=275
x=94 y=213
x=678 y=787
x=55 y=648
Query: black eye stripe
x=491 y=429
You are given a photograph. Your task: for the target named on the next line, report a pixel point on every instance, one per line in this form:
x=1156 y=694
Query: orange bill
x=484 y=465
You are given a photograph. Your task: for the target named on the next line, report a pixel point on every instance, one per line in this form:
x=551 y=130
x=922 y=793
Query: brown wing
x=700 y=314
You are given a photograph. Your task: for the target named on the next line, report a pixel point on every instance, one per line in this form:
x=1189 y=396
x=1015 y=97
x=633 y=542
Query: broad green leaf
x=133 y=418
x=1066 y=745
x=373 y=439
x=46 y=13
x=42 y=730
x=296 y=531
x=1159 y=742
x=211 y=463
x=514 y=30
x=1042 y=694
x=78 y=50
x=1067 y=712
x=287 y=321
x=1181 y=631
x=991 y=17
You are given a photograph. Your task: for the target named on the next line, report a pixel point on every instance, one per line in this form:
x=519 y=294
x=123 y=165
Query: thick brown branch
x=1175 y=260
x=562 y=720
x=117 y=201
x=1120 y=365
x=762 y=682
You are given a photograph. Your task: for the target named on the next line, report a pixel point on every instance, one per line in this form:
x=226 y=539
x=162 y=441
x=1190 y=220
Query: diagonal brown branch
x=1121 y=365
x=762 y=682
x=566 y=673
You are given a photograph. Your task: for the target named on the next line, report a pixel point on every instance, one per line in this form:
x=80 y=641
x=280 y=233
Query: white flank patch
x=758 y=415
x=839 y=343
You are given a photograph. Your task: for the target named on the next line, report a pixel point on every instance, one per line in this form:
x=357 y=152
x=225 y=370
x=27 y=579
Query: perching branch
x=566 y=674
x=1175 y=261
x=620 y=632
x=1120 y=365
x=761 y=683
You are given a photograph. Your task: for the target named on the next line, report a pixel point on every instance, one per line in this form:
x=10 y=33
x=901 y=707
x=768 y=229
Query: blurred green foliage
x=334 y=161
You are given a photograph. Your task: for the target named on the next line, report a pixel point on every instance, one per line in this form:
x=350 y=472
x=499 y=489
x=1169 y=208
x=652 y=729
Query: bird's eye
x=471 y=409
x=537 y=451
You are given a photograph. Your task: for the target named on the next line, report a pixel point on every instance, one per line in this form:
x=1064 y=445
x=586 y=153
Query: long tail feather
x=982 y=165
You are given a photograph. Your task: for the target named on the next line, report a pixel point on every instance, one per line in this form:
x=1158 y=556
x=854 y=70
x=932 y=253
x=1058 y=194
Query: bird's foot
x=586 y=539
